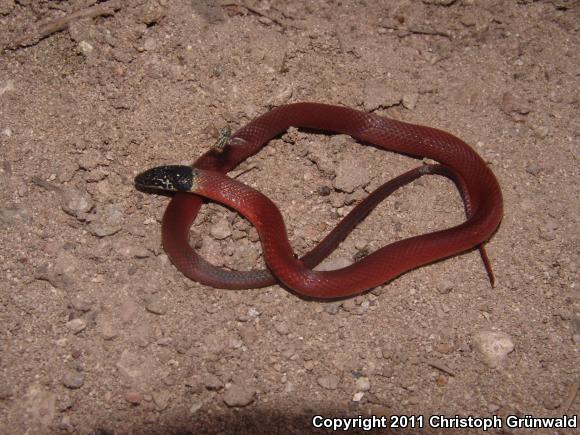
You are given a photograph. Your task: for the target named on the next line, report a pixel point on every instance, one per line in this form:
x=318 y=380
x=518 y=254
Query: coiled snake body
x=459 y=162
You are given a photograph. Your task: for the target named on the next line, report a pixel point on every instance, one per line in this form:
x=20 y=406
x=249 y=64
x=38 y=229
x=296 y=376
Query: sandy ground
x=101 y=334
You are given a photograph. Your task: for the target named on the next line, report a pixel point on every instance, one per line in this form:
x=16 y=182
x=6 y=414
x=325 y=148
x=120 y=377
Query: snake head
x=175 y=178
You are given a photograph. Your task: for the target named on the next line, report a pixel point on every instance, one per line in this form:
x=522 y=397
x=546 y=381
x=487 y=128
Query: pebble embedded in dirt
x=380 y=95
x=445 y=286
x=511 y=103
x=12 y=214
x=73 y=379
x=81 y=303
x=106 y=220
x=212 y=382
x=76 y=325
x=221 y=229
x=351 y=174
x=238 y=396
x=363 y=384
x=108 y=330
x=156 y=305
x=493 y=346
x=76 y=202
x=329 y=382
x=410 y=100
x=133 y=397
x=161 y=399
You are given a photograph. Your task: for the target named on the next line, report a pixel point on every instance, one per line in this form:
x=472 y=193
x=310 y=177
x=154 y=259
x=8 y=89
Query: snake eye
x=182 y=178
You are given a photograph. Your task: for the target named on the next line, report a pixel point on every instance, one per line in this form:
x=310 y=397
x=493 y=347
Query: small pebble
x=282 y=328
x=551 y=403
x=76 y=325
x=76 y=203
x=73 y=379
x=133 y=397
x=221 y=229
x=444 y=286
x=358 y=396
x=332 y=307
x=239 y=396
x=534 y=169
x=351 y=174
x=363 y=384
x=329 y=382
x=512 y=104
x=324 y=190
x=195 y=406
x=161 y=399
x=378 y=95
x=212 y=382
x=493 y=346
x=410 y=100
x=85 y=48
x=108 y=330
x=81 y=303
x=106 y=221
x=156 y=305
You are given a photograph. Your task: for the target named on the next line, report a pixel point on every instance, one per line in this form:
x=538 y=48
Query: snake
x=207 y=179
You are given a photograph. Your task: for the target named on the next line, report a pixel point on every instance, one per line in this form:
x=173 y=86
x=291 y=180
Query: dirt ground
x=101 y=334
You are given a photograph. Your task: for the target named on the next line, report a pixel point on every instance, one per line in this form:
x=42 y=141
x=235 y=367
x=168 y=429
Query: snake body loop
x=477 y=184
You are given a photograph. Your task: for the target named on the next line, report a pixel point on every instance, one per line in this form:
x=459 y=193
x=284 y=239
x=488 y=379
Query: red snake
x=478 y=186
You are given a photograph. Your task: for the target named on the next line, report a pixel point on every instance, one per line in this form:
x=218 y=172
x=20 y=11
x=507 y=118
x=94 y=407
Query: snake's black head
x=173 y=178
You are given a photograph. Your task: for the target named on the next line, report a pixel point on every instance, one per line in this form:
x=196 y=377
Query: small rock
x=534 y=169
x=156 y=305
x=13 y=214
x=195 y=406
x=6 y=87
x=351 y=174
x=129 y=249
x=332 y=307
x=149 y=44
x=108 y=330
x=106 y=221
x=85 y=48
x=410 y=100
x=445 y=286
x=76 y=325
x=73 y=379
x=363 y=384
x=82 y=303
x=511 y=104
x=349 y=305
x=358 y=396
x=378 y=95
x=324 y=190
x=212 y=382
x=239 y=396
x=151 y=13
x=551 y=403
x=329 y=382
x=133 y=397
x=90 y=159
x=282 y=97
x=221 y=229
x=77 y=203
x=493 y=346
x=161 y=399
x=282 y=328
